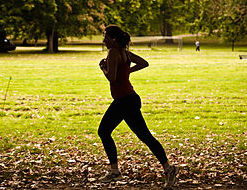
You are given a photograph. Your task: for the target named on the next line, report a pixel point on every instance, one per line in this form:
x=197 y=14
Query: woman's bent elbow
x=146 y=64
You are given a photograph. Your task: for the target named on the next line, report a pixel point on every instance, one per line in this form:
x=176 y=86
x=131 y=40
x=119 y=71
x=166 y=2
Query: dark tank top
x=122 y=86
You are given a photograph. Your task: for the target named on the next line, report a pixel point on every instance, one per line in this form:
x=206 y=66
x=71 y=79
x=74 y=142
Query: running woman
x=126 y=104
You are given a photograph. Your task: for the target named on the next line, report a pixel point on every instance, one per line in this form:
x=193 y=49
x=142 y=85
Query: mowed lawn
x=195 y=104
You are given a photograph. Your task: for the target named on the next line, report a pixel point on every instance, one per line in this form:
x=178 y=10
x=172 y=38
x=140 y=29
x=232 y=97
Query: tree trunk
x=168 y=32
x=52 y=41
x=2 y=34
x=55 y=41
x=166 y=26
x=24 y=43
x=233 y=42
x=50 y=35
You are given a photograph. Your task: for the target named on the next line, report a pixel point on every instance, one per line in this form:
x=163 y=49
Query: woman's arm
x=110 y=68
x=140 y=63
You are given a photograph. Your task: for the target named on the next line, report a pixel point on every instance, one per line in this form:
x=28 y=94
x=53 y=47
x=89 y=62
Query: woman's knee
x=102 y=132
x=149 y=140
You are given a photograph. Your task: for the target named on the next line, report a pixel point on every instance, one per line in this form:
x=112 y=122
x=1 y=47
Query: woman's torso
x=122 y=86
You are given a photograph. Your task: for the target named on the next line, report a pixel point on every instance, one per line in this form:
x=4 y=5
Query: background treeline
x=58 y=19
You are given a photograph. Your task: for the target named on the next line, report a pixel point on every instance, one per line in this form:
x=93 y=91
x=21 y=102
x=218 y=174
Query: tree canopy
x=54 y=19
x=51 y=18
x=225 y=18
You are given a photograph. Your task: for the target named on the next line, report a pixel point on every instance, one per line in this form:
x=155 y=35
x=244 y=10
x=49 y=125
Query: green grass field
x=195 y=104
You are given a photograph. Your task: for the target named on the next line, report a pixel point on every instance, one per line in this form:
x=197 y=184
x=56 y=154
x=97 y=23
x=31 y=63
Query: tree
x=51 y=18
x=141 y=17
x=134 y=16
x=75 y=18
x=232 y=20
x=225 y=18
x=166 y=19
x=171 y=16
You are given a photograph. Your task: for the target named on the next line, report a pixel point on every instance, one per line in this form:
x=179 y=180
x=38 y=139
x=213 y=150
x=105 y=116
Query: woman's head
x=115 y=33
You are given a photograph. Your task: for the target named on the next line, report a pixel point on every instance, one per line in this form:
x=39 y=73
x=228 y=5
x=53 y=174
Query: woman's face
x=109 y=42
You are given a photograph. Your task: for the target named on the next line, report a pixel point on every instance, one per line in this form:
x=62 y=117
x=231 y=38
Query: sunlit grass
x=188 y=94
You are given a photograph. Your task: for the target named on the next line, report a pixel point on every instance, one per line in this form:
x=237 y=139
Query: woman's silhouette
x=126 y=104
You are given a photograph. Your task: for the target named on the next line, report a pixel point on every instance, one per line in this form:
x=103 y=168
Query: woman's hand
x=109 y=65
x=102 y=64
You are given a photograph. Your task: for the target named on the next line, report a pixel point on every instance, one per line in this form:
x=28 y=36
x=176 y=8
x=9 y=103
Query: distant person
x=126 y=104
x=197 y=43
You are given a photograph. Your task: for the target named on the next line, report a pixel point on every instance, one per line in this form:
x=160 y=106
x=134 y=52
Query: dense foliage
x=225 y=18
x=134 y=16
x=52 y=18
x=56 y=19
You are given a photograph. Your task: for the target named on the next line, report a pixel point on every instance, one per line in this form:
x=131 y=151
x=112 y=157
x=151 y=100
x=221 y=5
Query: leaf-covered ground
x=45 y=164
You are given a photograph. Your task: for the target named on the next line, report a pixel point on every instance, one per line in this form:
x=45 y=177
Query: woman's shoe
x=171 y=175
x=111 y=177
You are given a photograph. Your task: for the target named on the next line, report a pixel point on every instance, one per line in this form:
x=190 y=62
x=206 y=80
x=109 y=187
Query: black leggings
x=127 y=109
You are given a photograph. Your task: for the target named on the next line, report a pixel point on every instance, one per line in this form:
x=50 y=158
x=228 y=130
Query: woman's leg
x=138 y=125
x=136 y=122
x=133 y=117
x=109 y=122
